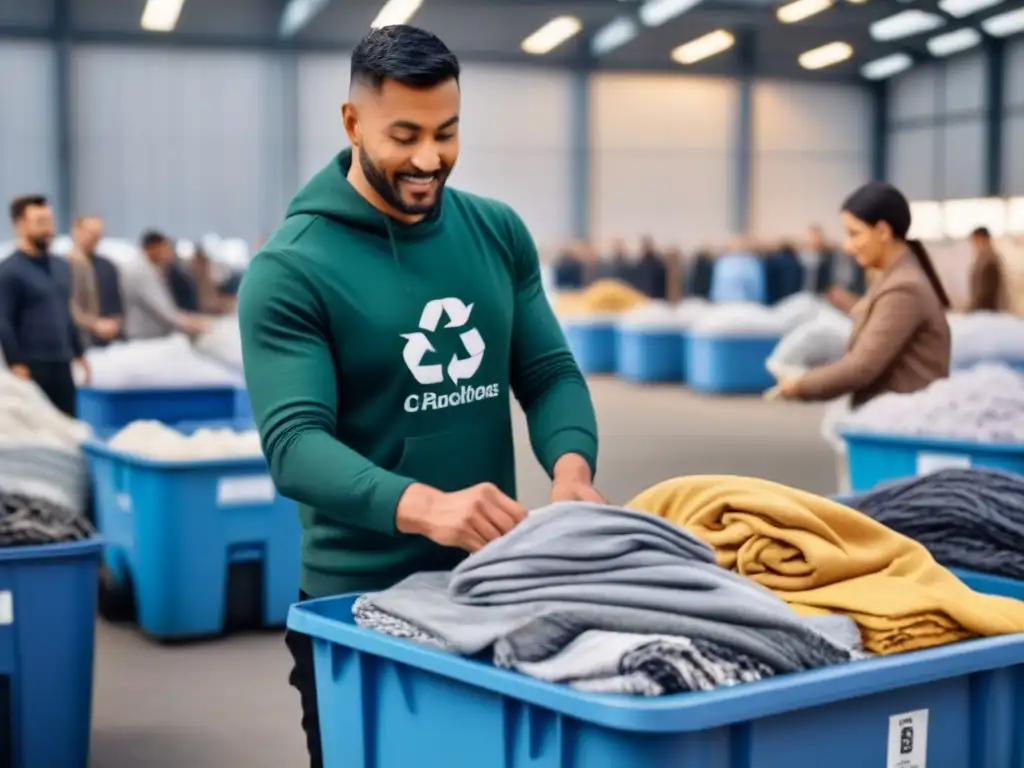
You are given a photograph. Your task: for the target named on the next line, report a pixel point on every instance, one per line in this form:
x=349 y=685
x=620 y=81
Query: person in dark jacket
x=650 y=274
x=986 y=274
x=37 y=334
x=96 y=303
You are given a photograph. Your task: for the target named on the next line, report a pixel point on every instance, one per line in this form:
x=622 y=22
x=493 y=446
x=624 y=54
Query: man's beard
x=41 y=243
x=390 y=192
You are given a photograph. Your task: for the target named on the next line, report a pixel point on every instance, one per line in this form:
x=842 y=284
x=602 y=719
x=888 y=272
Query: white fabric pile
x=223 y=343
x=817 y=341
x=986 y=336
x=981 y=404
x=800 y=308
x=153 y=440
x=739 y=319
x=28 y=418
x=156 y=363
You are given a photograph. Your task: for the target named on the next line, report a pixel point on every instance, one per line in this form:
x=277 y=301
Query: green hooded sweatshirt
x=378 y=354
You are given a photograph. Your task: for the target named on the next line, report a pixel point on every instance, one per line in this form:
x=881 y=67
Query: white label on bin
x=233 y=491
x=908 y=740
x=124 y=501
x=928 y=462
x=6 y=608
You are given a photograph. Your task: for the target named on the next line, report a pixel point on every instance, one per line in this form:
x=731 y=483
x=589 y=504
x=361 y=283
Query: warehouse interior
x=614 y=129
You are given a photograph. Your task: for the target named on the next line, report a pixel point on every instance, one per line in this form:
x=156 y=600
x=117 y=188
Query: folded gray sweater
x=573 y=567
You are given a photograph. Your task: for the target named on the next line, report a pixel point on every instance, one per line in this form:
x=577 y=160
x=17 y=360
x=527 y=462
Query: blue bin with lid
x=648 y=353
x=179 y=532
x=390 y=703
x=592 y=341
x=106 y=409
x=47 y=629
x=729 y=364
x=876 y=458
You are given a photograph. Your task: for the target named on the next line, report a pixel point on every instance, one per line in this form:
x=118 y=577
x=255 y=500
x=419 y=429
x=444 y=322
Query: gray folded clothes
x=50 y=474
x=576 y=567
x=644 y=665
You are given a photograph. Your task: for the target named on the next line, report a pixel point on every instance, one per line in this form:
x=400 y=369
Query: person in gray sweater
x=149 y=308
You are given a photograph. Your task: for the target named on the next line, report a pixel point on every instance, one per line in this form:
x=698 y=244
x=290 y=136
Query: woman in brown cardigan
x=900 y=340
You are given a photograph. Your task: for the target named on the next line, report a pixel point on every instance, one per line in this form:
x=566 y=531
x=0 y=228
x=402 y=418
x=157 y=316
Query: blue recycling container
x=404 y=704
x=1017 y=363
x=174 y=529
x=106 y=409
x=728 y=364
x=592 y=341
x=875 y=458
x=47 y=628
x=649 y=354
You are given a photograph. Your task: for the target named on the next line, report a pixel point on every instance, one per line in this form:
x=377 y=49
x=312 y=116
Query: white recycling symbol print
x=417 y=344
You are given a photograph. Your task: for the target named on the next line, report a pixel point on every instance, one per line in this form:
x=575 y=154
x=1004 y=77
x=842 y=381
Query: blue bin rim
x=919 y=442
x=97 y=447
x=58 y=551
x=682 y=713
x=201 y=389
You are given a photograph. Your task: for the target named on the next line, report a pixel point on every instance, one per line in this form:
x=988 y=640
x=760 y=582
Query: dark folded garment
x=25 y=521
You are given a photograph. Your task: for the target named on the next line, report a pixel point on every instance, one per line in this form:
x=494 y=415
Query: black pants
x=57 y=383
x=304 y=680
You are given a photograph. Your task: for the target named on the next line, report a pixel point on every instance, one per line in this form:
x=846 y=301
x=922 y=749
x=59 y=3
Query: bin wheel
x=116 y=596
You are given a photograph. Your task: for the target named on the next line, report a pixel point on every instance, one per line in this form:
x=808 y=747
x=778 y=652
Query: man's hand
x=466 y=519
x=106 y=328
x=196 y=325
x=573 y=481
x=789 y=388
x=83 y=364
x=22 y=372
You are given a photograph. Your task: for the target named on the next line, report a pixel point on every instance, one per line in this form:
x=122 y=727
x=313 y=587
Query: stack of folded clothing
x=822 y=557
x=607 y=599
x=966 y=518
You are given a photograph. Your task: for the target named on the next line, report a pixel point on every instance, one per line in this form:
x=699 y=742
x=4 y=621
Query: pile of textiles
x=972 y=519
x=984 y=403
x=822 y=557
x=44 y=481
x=608 y=599
x=601 y=297
x=154 y=440
x=166 y=362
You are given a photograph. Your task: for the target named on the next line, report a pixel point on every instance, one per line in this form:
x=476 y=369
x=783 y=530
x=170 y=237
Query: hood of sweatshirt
x=330 y=195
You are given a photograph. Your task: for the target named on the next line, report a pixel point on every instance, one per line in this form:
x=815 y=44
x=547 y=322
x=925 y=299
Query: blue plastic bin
x=719 y=364
x=592 y=341
x=392 y=704
x=875 y=458
x=105 y=409
x=173 y=529
x=47 y=627
x=243 y=408
x=649 y=355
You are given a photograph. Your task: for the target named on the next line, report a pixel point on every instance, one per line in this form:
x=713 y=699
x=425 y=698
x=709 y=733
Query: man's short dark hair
x=408 y=55
x=20 y=205
x=981 y=232
x=152 y=237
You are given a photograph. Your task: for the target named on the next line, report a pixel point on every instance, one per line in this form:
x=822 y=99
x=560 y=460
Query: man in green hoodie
x=384 y=326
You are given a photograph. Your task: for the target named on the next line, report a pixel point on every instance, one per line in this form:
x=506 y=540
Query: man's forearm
x=573 y=467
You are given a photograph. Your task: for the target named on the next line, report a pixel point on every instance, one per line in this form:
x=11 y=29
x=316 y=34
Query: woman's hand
x=789 y=388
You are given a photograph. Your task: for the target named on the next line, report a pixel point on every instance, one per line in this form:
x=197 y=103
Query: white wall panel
x=1013 y=155
x=661 y=156
x=912 y=162
x=515 y=136
x=914 y=95
x=28 y=142
x=963 y=159
x=964 y=84
x=811 y=147
x=1014 y=63
x=185 y=141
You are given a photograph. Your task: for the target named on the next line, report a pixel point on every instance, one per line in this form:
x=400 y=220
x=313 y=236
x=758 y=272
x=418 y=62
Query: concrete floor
x=227 y=704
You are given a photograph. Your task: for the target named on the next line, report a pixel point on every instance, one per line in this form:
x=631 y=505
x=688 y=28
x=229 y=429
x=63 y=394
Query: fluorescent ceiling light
x=1005 y=24
x=614 y=34
x=961 y=8
x=161 y=15
x=825 y=56
x=552 y=35
x=887 y=66
x=703 y=47
x=961 y=217
x=654 y=13
x=298 y=13
x=396 y=12
x=954 y=42
x=904 y=24
x=799 y=10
